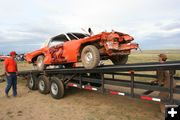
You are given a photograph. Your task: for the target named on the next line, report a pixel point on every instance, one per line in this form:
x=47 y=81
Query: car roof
x=64 y=35
x=76 y=33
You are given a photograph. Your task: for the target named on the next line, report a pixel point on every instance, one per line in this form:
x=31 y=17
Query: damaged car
x=69 y=48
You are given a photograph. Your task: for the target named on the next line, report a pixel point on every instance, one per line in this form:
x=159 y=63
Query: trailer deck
x=55 y=81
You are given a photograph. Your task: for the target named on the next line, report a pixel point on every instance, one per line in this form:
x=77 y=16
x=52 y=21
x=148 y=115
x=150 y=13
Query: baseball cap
x=163 y=56
x=12 y=53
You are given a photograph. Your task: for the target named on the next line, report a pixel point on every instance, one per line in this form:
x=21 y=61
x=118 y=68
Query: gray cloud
x=27 y=37
x=171 y=26
x=159 y=41
x=162 y=35
x=21 y=46
x=26 y=24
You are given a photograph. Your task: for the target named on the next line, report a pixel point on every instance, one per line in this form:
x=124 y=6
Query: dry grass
x=21 y=66
x=152 y=56
x=148 y=56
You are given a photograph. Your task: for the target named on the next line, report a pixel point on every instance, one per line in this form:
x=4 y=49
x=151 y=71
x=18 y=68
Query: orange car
x=3 y=57
x=67 y=49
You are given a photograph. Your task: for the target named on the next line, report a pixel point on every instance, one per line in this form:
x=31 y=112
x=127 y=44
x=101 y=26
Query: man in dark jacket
x=163 y=79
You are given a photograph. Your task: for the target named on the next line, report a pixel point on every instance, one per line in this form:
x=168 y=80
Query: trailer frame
x=95 y=80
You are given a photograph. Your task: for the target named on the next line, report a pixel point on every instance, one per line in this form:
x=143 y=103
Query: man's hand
x=154 y=82
x=7 y=74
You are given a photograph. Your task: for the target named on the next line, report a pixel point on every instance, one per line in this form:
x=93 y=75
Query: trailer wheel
x=57 y=88
x=40 y=63
x=32 y=82
x=90 y=57
x=119 y=59
x=43 y=84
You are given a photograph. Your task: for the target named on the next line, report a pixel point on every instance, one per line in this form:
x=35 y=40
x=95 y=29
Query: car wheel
x=120 y=59
x=32 y=82
x=40 y=63
x=56 y=88
x=90 y=57
x=43 y=84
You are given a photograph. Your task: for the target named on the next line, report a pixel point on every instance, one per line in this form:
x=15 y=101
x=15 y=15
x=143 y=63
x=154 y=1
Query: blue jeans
x=11 y=82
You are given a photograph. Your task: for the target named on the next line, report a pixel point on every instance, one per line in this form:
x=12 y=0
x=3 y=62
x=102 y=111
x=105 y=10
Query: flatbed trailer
x=55 y=81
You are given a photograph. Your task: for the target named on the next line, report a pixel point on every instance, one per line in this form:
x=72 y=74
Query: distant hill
x=168 y=51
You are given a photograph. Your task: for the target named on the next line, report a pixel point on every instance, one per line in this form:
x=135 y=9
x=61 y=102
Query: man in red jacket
x=10 y=67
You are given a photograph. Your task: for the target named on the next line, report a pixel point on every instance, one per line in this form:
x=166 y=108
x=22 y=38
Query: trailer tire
x=56 y=88
x=32 y=82
x=90 y=56
x=43 y=84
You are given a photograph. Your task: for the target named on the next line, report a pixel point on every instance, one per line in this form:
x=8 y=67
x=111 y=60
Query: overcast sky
x=25 y=24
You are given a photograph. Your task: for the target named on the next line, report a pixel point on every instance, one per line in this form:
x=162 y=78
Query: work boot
x=7 y=96
x=162 y=108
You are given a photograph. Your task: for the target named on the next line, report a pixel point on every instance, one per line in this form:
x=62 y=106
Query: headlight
x=112 y=45
x=109 y=44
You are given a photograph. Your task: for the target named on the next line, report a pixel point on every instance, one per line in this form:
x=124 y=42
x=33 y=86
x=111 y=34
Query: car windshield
x=75 y=36
x=60 y=39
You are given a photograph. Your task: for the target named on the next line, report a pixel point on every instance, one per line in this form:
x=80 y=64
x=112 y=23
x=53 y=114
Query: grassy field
x=152 y=56
x=21 y=66
x=149 y=56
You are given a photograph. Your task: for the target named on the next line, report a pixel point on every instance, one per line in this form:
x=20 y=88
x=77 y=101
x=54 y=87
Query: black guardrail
x=173 y=65
x=140 y=75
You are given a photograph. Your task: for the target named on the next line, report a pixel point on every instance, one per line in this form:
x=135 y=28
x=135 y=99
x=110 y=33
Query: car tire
x=56 y=88
x=119 y=60
x=43 y=84
x=32 y=82
x=40 y=63
x=90 y=57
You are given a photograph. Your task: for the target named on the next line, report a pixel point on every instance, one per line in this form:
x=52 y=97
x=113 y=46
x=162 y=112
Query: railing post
x=113 y=76
x=171 y=89
x=80 y=81
x=102 y=82
x=132 y=83
x=63 y=77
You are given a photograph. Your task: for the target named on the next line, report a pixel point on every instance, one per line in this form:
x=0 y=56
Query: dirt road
x=76 y=105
